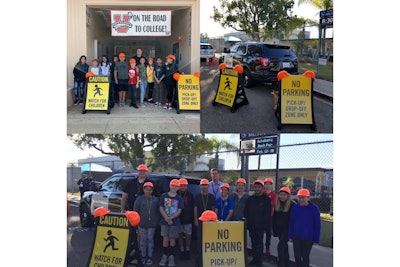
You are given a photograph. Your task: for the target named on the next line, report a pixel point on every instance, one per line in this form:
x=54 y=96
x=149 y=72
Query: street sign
x=189 y=92
x=97 y=94
x=223 y=244
x=110 y=246
x=326 y=18
x=260 y=146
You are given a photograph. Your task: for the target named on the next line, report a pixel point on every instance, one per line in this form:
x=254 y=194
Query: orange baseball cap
x=95 y=59
x=303 y=193
x=121 y=55
x=150 y=184
x=261 y=182
x=285 y=189
x=241 y=180
x=171 y=57
x=268 y=180
x=150 y=58
x=225 y=185
x=183 y=181
x=132 y=60
x=204 y=182
x=142 y=167
x=174 y=182
x=208 y=216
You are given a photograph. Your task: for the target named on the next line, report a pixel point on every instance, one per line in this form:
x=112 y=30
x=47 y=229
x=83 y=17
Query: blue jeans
x=143 y=86
x=147 y=241
x=78 y=89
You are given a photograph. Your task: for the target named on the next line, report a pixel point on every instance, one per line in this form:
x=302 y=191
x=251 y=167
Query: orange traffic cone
x=213 y=61
x=207 y=61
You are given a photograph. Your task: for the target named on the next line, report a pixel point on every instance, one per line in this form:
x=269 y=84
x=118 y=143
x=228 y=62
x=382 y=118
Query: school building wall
x=86 y=34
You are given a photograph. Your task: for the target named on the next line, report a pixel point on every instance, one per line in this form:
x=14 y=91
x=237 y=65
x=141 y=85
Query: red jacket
x=133 y=74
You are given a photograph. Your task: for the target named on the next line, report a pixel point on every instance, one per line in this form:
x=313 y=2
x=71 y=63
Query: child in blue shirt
x=224 y=205
x=304 y=227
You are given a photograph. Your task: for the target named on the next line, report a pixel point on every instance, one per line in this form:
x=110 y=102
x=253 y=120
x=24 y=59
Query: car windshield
x=280 y=51
x=205 y=47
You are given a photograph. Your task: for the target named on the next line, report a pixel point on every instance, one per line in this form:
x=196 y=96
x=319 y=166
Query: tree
x=253 y=16
x=130 y=148
x=323 y=5
x=217 y=146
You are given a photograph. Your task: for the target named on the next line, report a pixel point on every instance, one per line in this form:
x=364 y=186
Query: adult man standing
x=133 y=189
x=215 y=183
x=139 y=55
x=258 y=215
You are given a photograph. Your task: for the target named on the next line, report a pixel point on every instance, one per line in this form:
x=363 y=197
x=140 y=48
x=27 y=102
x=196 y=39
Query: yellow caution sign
x=111 y=241
x=97 y=93
x=223 y=244
x=189 y=92
x=296 y=100
x=227 y=87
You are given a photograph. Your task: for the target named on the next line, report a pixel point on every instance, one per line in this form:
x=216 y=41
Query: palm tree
x=218 y=145
x=323 y=5
x=320 y=4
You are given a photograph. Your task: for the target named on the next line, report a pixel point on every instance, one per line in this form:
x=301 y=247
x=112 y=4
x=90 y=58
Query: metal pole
x=319 y=48
x=277 y=159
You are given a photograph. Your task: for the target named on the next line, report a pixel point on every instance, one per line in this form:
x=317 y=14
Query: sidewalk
x=150 y=119
x=323 y=88
x=320 y=256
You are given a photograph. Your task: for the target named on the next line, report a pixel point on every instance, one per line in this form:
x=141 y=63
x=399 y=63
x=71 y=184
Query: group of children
x=178 y=210
x=138 y=73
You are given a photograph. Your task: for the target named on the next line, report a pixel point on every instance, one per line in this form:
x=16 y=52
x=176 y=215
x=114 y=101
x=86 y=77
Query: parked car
x=206 y=51
x=109 y=193
x=262 y=61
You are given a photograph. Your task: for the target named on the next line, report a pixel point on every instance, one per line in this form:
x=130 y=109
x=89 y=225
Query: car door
x=254 y=60
x=101 y=198
x=239 y=56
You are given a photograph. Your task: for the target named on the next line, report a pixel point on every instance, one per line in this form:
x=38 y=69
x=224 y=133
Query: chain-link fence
x=296 y=163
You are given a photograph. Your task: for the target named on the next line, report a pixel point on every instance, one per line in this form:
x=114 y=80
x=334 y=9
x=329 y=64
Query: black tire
x=248 y=81
x=85 y=216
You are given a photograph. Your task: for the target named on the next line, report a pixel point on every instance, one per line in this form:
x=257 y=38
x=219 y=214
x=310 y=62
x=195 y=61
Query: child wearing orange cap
x=147 y=207
x=159 y=74
x=186 y=217
x=95 y=67
x=304 y=227
x=223 y=204
x=169 y=81
x=121 y=78
x=239 y=198
x=150 y=79
x=171 y=206
x=280 y=224
x=80 y=70
x=133 y=73
x=258 y=215
x=142 y=79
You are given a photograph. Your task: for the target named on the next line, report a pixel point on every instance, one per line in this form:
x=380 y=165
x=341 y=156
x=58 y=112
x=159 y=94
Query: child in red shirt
x=133 y=73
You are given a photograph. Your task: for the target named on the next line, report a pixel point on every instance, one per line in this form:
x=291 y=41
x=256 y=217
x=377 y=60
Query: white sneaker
x=163 y=260
x=171 y=261
x=149 y=261
x=166 y=106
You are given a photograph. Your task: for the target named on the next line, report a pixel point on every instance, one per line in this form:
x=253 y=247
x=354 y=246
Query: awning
x=93 y=167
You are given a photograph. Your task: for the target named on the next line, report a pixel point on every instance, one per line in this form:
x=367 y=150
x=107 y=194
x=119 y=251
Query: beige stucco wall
x=83 y=23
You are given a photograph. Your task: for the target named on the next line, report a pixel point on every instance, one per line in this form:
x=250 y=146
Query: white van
x=206 y=51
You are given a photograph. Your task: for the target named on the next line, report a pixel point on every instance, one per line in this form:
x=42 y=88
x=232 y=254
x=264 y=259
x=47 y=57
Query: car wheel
x=85 y=216
x=248 y=82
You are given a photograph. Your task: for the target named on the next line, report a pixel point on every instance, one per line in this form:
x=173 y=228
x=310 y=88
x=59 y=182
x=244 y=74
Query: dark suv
x=262 y=61
x=109 y=193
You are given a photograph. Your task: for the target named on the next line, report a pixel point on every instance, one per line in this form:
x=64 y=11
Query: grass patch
x=324 y=72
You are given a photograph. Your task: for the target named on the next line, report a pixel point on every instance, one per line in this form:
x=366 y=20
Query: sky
x=296 y=158
x=213 y=29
